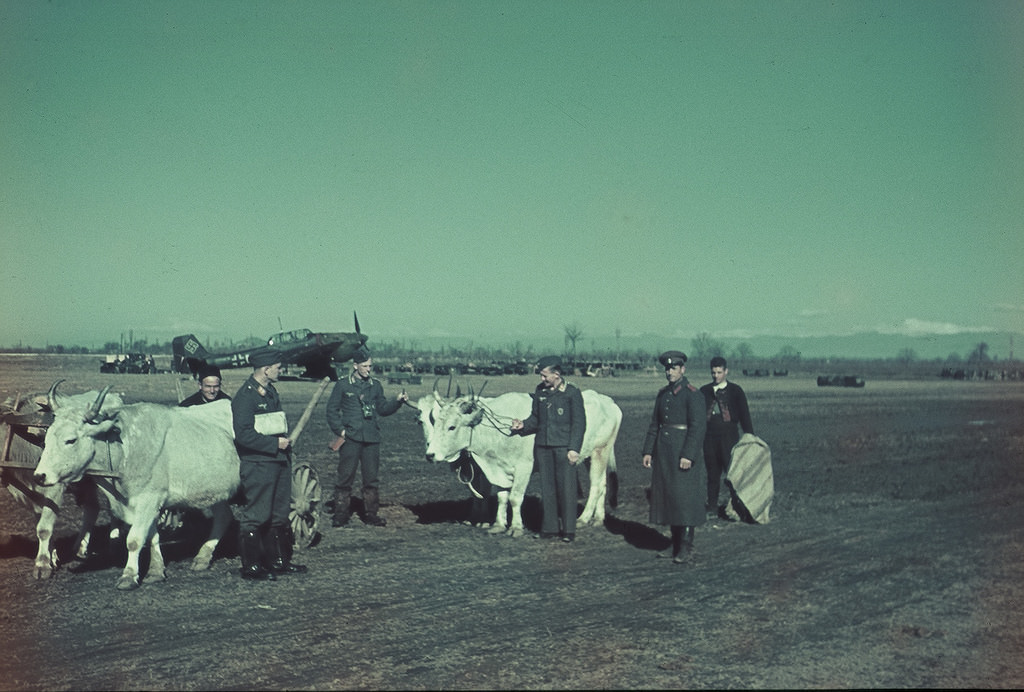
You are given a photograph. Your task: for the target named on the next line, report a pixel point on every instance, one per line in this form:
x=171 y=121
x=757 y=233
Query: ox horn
x=51 y=396
x=478 y=394
x=449 y=384
x=94 y=410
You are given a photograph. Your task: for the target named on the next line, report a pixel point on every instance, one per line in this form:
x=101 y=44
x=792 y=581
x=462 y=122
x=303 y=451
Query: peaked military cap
x=553 y=362
x=361 y=355
x=264 y=357
x=670 y=359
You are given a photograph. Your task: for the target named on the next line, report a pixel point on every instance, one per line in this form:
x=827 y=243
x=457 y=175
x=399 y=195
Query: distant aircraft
x=313 y=351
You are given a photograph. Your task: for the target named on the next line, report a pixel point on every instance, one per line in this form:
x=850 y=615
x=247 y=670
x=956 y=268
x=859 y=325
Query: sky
x=502 y=170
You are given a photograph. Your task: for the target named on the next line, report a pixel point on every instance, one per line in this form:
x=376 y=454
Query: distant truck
x=840 y=381
x=131 y=363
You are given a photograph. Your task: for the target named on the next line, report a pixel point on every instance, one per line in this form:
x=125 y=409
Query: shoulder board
x=691 y=387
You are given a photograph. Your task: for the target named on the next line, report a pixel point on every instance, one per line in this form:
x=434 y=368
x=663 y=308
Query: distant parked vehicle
x=131 y=363
x=840 y=381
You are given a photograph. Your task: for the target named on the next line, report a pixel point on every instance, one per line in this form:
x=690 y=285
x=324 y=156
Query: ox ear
x=478 y=416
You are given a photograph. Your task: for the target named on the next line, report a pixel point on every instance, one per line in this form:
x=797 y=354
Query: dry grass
x=894 y=560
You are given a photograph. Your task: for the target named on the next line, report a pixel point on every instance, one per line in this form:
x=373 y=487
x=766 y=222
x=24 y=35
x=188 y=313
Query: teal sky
x=498 y=170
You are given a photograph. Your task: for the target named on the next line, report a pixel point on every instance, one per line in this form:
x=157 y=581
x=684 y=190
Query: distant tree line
x=703 y=347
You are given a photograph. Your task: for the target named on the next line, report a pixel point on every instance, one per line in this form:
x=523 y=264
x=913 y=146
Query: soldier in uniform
x=265 y=470
x=353 y=414
x=674 y=451
x=727 y=414
x=209 y=387
x=559 y=421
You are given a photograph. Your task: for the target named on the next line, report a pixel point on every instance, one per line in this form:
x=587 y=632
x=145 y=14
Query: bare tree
x=979 y=356
x=743 y=353
x=906 y=357
x=705 y=348
x=573 y=333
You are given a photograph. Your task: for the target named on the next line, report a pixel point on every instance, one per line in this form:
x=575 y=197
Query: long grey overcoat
x=677 y=496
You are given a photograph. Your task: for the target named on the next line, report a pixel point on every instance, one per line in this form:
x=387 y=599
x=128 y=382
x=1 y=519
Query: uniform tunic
x=265 y=470
x=677 y=496
x=559 y=421
x=355 y=408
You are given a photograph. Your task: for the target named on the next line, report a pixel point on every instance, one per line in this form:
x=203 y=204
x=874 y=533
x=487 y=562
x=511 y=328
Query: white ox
x=158 y=456
x=24 y=439
x=481 y=426
x=465 y=467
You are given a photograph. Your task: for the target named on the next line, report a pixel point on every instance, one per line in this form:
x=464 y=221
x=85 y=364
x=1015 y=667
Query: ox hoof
x=42 y=572
x=496 y=530
x=127 y=584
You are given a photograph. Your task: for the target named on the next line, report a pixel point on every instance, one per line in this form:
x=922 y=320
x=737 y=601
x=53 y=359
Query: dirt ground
x=895 y=558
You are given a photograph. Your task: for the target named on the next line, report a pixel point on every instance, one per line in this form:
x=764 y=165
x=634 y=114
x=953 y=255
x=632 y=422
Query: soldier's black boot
x=687 y=546
x=371 y=501
x=342 y=508
x=250 y=550
x=281 y=545
x=677 y=542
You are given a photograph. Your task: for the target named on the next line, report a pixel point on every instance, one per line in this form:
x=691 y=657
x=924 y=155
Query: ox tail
x=612 y=491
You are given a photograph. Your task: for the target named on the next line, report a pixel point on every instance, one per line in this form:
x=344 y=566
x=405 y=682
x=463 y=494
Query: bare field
x=895 y=559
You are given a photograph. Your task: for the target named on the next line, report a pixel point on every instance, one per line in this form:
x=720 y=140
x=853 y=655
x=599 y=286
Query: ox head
x=70 y=441
x=453 y=429
x=429 y=406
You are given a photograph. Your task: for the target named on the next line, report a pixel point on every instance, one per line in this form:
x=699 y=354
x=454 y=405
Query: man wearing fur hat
x=261 y=437
x=559 y=421
x=209 y=387
x=353 y=414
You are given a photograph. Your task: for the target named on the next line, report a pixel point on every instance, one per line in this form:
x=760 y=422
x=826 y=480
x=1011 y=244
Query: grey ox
x=158 y=456
x=29 y=418
x=481 y=427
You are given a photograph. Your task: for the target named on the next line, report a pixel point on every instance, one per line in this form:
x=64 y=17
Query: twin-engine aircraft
x=314 y=351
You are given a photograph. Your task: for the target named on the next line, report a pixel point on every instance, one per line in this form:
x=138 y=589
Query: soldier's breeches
x=364 y=456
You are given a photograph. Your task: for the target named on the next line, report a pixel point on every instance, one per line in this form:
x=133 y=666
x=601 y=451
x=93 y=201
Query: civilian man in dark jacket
x=559 y=421
x=353 y=414
x=264 y=450
x=727 y=413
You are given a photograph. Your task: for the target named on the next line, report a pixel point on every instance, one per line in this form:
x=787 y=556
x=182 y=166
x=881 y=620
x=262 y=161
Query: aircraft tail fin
x=188 y=353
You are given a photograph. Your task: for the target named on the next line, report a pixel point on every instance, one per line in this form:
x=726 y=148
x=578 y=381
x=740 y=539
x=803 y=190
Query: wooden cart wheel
x=305 y=511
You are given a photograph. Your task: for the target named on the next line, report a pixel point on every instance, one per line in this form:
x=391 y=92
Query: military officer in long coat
x=674 y=451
